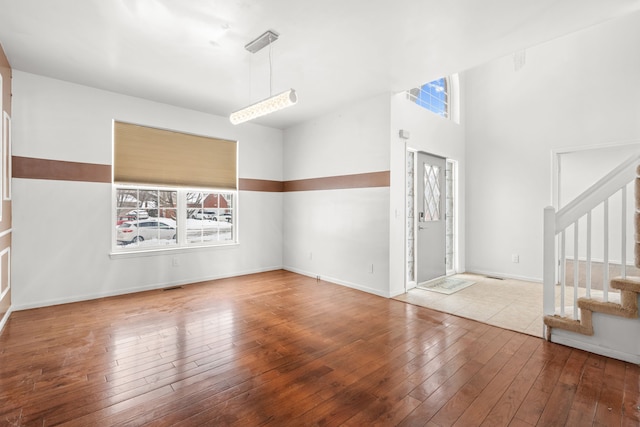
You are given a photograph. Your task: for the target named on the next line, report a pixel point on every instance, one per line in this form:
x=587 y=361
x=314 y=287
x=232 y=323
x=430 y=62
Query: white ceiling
x=190 y=53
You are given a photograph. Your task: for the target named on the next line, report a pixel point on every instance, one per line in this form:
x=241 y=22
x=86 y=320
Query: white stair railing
x=566 y=221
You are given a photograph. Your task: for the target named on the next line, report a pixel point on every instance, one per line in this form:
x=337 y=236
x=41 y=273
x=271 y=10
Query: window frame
x=218 y=192
x=182 y=243
x=451 y=83
x=415 y=96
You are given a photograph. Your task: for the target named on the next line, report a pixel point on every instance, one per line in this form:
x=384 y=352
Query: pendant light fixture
x=274 y=102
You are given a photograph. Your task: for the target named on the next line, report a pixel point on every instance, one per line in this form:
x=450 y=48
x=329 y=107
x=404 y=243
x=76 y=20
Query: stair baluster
x=556 y=223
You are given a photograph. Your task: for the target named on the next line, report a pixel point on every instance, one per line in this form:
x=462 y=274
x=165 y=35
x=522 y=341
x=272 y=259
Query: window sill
x=169 y=251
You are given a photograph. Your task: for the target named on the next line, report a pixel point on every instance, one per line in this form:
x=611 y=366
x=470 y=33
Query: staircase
x=609 y=323
x=627 y=307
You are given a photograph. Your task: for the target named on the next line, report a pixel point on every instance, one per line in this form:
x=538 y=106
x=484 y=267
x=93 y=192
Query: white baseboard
x=603 y=351
x=339 y=282
x=5 y=318
x=152 y=287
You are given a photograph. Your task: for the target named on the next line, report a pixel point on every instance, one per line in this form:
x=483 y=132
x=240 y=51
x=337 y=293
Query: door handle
x=420 y=227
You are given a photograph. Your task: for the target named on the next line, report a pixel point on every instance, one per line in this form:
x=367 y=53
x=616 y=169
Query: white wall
x=61 y=243
x=431 y=134
x=579 y=90
x=339 y=234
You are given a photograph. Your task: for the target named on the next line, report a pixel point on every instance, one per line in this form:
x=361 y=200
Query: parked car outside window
x=149 y=229
x=226 y=217
x=138 y=213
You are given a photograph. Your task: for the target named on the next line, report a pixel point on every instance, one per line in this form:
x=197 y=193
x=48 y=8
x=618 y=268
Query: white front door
x=430 y=209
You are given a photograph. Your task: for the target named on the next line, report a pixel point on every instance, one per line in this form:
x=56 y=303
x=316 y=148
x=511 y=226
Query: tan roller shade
x=144 y=155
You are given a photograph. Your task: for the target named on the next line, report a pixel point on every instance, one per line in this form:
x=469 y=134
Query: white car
x=147 y=229
x=225 y=217
x=139 y=213
x=205 y=214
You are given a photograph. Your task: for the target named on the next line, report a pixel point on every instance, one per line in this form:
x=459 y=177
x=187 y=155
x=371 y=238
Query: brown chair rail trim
x=32 y=168
x=247 y=184
x=361 y=180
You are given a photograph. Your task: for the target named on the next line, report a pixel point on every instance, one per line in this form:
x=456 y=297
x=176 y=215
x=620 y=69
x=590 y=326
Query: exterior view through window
x=146 y=217
x=209 y=217
x=433 y=96
x=150 y=218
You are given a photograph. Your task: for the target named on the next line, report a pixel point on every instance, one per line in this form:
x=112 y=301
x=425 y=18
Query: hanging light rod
x=273 y=103
x=264 y=107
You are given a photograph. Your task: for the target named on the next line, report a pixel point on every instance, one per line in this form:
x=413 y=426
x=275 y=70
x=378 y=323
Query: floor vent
x=494 y=277
x=172 y=288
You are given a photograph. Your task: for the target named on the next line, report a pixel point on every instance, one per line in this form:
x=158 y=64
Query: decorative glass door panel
x=431 y=192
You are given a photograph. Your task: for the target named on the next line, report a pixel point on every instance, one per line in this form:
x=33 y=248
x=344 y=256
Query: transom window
x=433 y=96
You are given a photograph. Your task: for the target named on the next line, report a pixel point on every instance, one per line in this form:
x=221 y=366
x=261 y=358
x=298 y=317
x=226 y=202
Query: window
x=172 y=189
x=145 y=217
x=150 y=219
x=209 y=217
x=433 y=96
x=450 y=214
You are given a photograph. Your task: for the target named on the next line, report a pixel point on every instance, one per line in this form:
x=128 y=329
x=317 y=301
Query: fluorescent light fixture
x=264 y=107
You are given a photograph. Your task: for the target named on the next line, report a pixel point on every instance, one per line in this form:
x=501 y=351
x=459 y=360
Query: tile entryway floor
x=510 y=304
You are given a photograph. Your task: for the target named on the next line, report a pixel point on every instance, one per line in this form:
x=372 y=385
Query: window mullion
x=181 y=216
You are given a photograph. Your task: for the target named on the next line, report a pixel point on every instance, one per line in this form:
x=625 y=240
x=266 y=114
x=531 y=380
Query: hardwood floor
x=279 y=349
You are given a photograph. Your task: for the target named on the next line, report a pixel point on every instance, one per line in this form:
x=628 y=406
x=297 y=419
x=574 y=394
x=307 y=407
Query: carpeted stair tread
x=626 y=307
x=617 y=309
x=583 y=326
x=626 y=284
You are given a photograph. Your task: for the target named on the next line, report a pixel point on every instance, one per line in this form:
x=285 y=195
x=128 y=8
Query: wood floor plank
x=538 y=396
x=465 y=395
x=504 y=411
x=447 y=384
x=585 y=402
x=494 y=390
x=631 y=397
x=557 y=409
x=392 y=393
x=280 y=349
x=532 y=406
x=453 y=358
x=609 y=403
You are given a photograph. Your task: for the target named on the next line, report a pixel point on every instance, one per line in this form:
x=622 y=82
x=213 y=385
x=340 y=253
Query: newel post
x=549 y=261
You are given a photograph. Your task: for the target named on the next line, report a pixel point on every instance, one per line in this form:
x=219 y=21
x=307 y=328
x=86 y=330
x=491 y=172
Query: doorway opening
x=431 y=226
x=483 y=300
